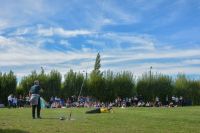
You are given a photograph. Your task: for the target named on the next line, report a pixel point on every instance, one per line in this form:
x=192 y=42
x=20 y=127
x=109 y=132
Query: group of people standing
x=20 y=101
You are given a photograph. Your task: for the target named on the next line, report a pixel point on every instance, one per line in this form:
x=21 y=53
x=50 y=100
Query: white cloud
x=22 y=31
x=22 y=12
x=3 y=24
x=97 y=43
x=107 y=21
x=165 y=68
x=6 y=42
x=122 y=40
x=128 y=55
x=192 y=62
x=65 y=43
x=95 y=16
x=22 y=52
x=61 y=32
x=137 y=41
x=118 y=14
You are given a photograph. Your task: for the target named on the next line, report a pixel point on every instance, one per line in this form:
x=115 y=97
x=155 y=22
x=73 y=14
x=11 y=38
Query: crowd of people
x=21 y=101
x=136 y=101
x=73 y=101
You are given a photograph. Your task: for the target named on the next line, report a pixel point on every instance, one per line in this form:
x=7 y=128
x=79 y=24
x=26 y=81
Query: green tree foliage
x=124 y=84
x=72 y=84
x=97 y=64
x=1 y=89
x=96 y=86
x=8 y=84
x=50 y=83
x=27 y=82
x=181 y=87
x=96 y=81
x=194 y=92
x=189 y=89
x=150 y=86
x=109 y=88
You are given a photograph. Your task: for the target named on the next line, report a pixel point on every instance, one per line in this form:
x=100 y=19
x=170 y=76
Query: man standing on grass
x=35 y=99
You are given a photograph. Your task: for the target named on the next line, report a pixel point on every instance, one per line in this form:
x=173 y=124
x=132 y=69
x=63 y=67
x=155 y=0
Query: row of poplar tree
x=104 y=86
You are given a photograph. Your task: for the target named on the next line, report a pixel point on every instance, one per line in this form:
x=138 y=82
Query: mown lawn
x=128 y=120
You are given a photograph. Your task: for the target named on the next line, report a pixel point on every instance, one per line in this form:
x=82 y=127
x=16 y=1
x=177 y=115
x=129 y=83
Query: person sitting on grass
x=100 y=110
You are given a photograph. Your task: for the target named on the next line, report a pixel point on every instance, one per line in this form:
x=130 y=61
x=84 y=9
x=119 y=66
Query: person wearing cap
x=35 y=99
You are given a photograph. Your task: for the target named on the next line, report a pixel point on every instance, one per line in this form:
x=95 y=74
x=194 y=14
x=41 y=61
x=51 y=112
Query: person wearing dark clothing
x=35 y=99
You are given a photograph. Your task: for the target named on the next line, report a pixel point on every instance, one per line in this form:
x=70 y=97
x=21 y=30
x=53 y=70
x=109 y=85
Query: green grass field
x=128 y=120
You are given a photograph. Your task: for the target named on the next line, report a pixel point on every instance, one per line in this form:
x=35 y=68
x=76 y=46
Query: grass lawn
x=128 y=120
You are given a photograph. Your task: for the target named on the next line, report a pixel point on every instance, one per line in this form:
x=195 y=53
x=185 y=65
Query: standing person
x=27 y=103
x=14 y=102
x=10 y=100
x=35 y=99
x=157 y=102
x=176 y=101
x=135 y=100
x=167 y=100
x=173 y=100
x=181 y=101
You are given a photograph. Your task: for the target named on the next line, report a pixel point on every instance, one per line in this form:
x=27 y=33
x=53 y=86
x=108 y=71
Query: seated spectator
x=2 y=105
x=147 y=104
x=140 y=104
x=171 y=104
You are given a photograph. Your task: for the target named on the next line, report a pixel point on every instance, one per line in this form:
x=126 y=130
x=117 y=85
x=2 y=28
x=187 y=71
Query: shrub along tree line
x=8 y=83
x=104 y=86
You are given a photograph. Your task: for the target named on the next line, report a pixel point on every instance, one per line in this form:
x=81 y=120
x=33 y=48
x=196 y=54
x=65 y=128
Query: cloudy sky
x=129 y=34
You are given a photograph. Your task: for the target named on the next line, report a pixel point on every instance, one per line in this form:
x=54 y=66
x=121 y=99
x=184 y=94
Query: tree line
x=104 y=86
x=8 y=85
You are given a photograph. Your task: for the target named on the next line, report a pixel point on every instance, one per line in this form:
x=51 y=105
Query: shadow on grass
x=50 y=118
x=12 y=131
x=65 y=118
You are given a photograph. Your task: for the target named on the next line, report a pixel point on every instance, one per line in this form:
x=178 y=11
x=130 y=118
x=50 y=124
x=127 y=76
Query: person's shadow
x=12 y=131
x=50 y=118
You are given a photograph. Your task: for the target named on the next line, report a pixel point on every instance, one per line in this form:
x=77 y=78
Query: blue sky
x=130 y=35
